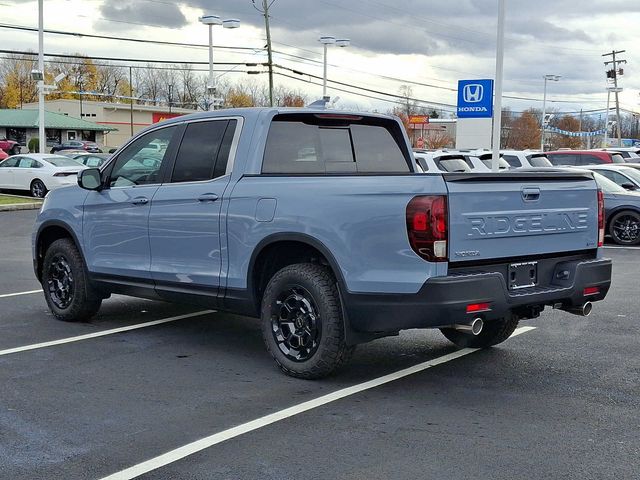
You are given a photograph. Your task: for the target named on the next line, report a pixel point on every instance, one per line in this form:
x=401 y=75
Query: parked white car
x=481 y=161
x=439 y=162
x=38 y=173
x=525 y=158
x=630 y=154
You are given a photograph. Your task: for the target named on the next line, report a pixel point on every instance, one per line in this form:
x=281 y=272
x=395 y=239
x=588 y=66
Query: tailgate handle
x=530 y=194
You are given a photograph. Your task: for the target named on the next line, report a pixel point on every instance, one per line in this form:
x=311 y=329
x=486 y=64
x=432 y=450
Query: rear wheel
x=38 y=189
x=624 y=228
x=66 y=285
x=302 y=324
x=15 y=150
x=493 y=332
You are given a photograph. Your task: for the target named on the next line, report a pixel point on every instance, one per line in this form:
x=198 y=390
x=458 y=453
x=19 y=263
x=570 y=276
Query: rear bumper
x=442 y=301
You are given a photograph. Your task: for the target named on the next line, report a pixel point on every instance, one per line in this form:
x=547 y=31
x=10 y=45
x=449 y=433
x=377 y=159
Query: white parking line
x=5 y=295
x=204 y=443
x=101 y=333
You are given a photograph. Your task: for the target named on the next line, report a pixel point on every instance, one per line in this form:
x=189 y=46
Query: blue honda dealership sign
x=475 y=98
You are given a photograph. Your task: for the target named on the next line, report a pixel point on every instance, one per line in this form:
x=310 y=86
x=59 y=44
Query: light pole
x=497 y=103
x=42 y=140
x=551 y=78
x=326 y=41
x=211 y=21
x=170 y=91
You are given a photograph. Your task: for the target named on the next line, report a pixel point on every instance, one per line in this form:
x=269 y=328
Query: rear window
x=453 y=165
x=562 y=159
x=512 y=160
x=314 y=147
x=539 y=161
x=502 y=164
x=62 y=161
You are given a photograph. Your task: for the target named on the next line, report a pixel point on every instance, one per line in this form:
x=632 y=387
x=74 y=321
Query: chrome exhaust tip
x=474 y=327
x=583 y=310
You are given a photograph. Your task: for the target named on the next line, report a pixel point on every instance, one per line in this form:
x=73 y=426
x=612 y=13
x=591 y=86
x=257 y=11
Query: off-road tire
x=332 y=351
x=85 y=302
x=493 y=333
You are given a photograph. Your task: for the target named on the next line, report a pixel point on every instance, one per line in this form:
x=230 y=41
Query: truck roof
x=249 y=112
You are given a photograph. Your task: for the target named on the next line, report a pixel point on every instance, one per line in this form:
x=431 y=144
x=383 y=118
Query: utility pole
x=266 y=4
x=131 y=100
x=613 y=75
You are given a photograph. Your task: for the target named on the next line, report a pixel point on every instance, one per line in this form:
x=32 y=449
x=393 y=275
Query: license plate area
x=523 y=275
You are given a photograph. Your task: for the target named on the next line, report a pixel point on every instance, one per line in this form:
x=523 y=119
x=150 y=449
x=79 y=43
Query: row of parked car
x=617 y=172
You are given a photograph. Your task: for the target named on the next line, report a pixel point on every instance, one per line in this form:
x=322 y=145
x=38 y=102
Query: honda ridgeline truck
x=318 y=223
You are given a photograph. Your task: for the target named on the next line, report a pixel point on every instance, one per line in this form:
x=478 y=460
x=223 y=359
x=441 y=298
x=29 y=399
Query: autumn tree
x=16 y=85
x=437 y=139
x=525 y=132
x=569 y=124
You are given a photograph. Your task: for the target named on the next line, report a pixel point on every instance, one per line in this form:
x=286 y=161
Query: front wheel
x=65 y=283
x=302 y=324
x=624 y=228
x=38 y=189
x=493 y=332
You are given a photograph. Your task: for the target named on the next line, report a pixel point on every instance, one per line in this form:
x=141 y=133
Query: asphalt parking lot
x=561 y=400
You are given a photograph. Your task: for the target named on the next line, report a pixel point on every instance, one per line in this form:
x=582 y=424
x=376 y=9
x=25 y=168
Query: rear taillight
x=427 y=227
x=600 y=218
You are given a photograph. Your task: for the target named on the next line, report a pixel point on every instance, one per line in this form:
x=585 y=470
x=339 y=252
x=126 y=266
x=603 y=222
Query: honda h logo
x=473 y=93
x=475 y=98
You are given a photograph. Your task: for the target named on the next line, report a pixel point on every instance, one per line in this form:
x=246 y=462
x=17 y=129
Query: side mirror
x=629 y=186
x=90 y=179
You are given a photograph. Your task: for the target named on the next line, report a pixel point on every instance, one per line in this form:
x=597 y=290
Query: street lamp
x=326 y=41
x=550 y=78
x=211 y=21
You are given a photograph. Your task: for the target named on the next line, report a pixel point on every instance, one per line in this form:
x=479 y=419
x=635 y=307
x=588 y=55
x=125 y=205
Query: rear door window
x=200 y=150
x=539 y=161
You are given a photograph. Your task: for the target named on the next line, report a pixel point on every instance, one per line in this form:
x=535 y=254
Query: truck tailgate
x=506 y=215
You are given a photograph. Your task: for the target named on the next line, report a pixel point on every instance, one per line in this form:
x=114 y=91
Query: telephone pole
x=266 y=4
x=612 y=74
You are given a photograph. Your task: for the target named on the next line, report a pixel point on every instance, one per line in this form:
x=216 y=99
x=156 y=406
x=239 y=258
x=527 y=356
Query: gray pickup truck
x=318 y=223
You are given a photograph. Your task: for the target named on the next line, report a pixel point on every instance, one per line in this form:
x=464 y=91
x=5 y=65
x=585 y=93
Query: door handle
x=208 y=197
x=530 y=193
x=140 y=201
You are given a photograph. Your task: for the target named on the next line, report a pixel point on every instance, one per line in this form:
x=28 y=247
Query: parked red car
x=583 y=157
x=9 y=146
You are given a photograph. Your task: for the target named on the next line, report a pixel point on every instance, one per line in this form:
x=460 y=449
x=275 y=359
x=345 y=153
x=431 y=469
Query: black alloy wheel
x=38 y=189
x=625 y=228
x=296 y=323
x=60 y=282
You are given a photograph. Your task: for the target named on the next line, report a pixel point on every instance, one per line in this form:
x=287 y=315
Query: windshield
x=632 y=173
x=62 y=161
x=607 y=185
x=540 y=161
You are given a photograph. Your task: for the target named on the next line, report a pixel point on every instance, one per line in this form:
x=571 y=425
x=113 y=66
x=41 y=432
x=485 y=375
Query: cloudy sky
x=432 y=43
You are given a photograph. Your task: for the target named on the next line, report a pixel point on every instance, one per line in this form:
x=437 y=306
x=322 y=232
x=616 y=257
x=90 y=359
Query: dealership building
x=121 y=120
x=22 y=125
